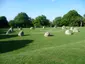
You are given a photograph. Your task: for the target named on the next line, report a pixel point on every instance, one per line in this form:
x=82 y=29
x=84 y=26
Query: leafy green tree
x=31 y=21
x=57 y=21
x=72 y=18
x=51 y=24
x=11 y=23
x=3 y=22
x=41 y=21
x=22 y=20
x=84 y=15
x=84 y=19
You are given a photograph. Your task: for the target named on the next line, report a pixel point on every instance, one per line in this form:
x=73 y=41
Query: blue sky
x=34 y=8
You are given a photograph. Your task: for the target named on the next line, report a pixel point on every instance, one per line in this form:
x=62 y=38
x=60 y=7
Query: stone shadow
x=7 y=46
x=7 y=36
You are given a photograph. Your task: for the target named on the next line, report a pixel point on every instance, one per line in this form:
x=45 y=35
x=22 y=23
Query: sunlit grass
x=34 y=48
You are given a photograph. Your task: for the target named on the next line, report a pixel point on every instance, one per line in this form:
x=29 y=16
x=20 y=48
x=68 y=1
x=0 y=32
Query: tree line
x=72 y=18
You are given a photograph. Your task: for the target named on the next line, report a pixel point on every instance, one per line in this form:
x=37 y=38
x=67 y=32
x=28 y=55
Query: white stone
x=55 y=26
x=43 y=27
x=21 y=33
x=34 y=26
x=68 y=32
x=31 y=27
x=47 y=34
x=63 y=27
x=9 y=30
x=75 y=30
x=71 y=28
x=20 y=28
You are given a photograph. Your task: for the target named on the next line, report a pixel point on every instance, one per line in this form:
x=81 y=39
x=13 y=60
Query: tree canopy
x=72 y=18
x=12 y=23
x=3 y=22
x=57 y=21
x=22 y=20
x=41 y=21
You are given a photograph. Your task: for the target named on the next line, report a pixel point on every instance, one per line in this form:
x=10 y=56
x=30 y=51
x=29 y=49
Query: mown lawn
x=34 y=48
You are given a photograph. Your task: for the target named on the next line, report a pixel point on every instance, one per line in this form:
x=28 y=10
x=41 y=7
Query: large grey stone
x=43 y=27
x=31 y=27
x=71 y=28
x=63 y=27
x=68 y=32
x=9 y=30
x=75 y=30
x=47 y=34
x=21 y=33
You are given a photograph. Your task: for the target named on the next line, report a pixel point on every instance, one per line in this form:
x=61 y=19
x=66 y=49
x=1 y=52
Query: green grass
x=34 y=48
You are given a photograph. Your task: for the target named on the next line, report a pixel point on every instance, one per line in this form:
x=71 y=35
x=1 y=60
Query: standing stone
x=20 y=28
x=63 y=27
x=75 y=30
x=68 y=32
x=43 y=27
x=21 y=33
x=31 y=27
x=9 y=30
x=35 y=27
x=81 y=24
x=55 y=26
x=47 y=34
x=71 y=28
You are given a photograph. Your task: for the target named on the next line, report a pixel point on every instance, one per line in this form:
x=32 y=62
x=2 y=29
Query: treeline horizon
x=71 y=18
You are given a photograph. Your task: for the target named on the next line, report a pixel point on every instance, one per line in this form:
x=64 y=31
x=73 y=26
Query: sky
x=34 y=8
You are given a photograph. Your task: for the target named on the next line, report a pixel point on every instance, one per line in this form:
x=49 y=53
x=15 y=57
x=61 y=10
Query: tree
x=84 y=19
x=41 y=21
x=84 y=15
x=57 y=21
x=3 y=22
x=72 y=18
x=11 y=23
x=31 y=21
x=51 y=24
x=22 y=20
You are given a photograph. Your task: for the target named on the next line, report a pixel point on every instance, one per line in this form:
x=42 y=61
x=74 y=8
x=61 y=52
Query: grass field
x=34 y=48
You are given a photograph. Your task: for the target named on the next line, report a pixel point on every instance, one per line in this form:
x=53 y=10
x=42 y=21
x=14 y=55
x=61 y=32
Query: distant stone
x=43 y=27
x=31 y=27
x=63 y=27
x=20 y=28
x=47 y=34
x=55 y=26
x=21 y=33
x=68 y=32
x=9 y=30
x=71 y=28
x=35 y=27
x=75 y=30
